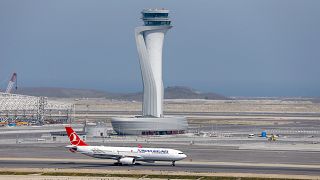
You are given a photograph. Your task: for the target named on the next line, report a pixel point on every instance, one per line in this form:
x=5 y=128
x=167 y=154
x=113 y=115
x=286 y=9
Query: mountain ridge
x=171 y=92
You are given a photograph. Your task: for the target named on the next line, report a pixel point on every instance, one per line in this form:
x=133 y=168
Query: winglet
x=74 y=138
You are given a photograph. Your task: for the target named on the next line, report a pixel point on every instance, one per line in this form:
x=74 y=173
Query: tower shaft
x=149 y=40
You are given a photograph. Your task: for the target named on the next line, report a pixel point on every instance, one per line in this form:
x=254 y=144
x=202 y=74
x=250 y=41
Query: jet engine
x=127 y=160
x=72 y=149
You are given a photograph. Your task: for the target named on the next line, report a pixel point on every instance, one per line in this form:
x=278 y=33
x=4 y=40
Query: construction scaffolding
x=32 y=109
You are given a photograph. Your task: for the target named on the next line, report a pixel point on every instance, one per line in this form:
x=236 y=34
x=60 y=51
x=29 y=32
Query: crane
x=12 y=82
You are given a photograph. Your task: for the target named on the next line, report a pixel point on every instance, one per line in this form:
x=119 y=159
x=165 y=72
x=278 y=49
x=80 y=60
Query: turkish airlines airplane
x=123 y=155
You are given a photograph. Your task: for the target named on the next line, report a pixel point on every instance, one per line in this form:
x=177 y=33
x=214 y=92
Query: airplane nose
x=183 y=156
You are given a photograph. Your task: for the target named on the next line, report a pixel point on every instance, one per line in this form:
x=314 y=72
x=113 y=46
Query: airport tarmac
x=229 y=150
x=213 y=167
x=203 y=153
x=297 y=150
x=200 y=159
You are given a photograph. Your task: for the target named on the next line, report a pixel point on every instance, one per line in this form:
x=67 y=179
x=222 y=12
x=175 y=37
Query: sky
x=231 y=47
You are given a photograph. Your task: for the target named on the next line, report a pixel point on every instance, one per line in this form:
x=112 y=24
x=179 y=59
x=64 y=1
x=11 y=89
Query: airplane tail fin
x=74 y=138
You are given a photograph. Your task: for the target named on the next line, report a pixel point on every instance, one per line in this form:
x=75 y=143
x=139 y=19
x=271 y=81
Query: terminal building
x=149 y=41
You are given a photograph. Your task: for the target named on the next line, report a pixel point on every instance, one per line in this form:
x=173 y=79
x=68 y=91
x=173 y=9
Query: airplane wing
x=114 y=156
x=101 y=154
x=96 y=152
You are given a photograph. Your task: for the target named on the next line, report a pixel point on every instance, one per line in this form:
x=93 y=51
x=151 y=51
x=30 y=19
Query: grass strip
x=208 y=177
x=239 y=178
x=162 y=176
x=16 y=173
x=91 y=174
x=137 y=176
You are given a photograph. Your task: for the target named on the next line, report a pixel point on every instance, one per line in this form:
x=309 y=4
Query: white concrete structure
x=149 y=40
x=150 y=126
x=97 y=129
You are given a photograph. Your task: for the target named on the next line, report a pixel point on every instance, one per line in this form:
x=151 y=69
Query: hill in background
x=176 y=92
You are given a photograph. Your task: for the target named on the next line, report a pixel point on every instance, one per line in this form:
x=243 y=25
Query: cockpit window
x=180 y=153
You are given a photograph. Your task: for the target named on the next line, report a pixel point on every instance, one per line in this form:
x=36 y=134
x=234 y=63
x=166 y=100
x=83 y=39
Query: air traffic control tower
x=149 y=41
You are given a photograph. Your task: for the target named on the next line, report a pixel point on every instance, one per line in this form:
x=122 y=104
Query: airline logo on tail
x=74 y=138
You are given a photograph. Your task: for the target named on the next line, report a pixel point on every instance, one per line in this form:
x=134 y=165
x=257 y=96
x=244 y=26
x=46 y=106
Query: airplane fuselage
x=124 y=155
x=139 y=154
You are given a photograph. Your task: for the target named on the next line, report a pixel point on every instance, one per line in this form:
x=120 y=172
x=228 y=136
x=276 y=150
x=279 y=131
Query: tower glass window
x=157 y=23
x=156 y=17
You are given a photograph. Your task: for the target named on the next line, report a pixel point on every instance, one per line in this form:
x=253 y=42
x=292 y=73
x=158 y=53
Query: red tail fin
x=74 y=138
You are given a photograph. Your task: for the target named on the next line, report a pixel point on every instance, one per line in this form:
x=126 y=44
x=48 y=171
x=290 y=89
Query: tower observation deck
x=156 y=17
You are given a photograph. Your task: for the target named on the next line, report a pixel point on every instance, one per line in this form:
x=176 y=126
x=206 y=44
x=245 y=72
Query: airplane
x=123 y=155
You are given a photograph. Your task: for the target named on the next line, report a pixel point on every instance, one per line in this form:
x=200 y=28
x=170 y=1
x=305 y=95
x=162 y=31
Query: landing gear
x=173 y=163
x=118 y=163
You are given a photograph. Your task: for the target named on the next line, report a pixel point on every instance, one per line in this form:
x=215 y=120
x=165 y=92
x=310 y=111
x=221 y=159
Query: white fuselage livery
x=124 y=155
x=128 y=155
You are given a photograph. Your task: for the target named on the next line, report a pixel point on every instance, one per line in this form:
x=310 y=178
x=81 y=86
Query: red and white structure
x=12 y=82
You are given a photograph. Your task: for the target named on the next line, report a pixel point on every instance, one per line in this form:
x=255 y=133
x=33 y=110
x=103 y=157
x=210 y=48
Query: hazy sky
x=236 y=48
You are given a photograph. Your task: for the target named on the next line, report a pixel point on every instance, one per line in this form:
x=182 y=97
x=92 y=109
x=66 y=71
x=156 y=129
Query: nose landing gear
x=173 y=163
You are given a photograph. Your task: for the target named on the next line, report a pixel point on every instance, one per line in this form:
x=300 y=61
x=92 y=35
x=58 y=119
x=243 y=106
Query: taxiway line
x=180 y=162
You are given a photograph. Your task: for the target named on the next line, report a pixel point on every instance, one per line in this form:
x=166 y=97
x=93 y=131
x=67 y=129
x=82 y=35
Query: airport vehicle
x=272 y=137
x=123 y=155
x=22 y=123
x=3 y=123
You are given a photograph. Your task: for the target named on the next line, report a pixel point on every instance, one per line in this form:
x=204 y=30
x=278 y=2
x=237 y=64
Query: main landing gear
x=173 y=163
x=118 y=163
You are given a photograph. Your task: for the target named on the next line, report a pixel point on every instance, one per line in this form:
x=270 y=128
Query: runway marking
x=37 y=172
x=180 y=162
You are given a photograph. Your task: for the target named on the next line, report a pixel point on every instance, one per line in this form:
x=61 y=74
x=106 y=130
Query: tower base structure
x=149 y=125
